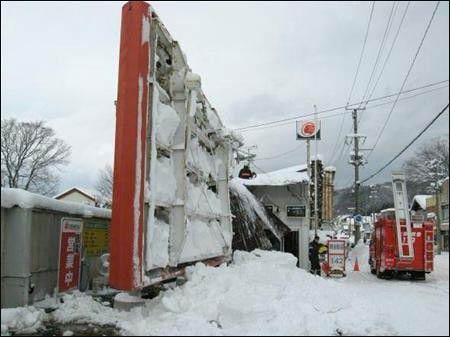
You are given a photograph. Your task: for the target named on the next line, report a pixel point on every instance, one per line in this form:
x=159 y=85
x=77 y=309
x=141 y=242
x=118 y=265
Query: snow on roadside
x=263 y=293
x=23 y=319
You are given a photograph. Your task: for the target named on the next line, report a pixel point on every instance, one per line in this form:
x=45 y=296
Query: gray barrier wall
x=30 y=251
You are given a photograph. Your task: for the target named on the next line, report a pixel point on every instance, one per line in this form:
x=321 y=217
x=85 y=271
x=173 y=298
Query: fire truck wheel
x=418 y=275
x=389 y=275
x=380 y=275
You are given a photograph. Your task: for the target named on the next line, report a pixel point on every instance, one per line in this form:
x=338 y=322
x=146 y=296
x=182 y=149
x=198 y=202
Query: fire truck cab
x=400 y=244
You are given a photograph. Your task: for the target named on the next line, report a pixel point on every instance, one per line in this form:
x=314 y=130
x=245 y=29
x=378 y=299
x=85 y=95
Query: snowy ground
x=263 y=293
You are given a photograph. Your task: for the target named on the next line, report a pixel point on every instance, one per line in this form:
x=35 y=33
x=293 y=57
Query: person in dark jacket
x=314 y=248
x=246 y=173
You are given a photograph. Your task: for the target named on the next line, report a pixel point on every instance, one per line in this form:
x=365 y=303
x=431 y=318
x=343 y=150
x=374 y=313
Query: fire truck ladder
x=405 y=246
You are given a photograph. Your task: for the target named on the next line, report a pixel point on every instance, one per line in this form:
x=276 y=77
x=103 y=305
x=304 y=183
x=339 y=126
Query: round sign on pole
x=308 y=129
x=358 y=218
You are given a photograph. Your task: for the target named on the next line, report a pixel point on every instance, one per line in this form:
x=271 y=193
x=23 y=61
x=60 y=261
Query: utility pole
x=316 y=218
x=356 y=159
x=437 y=200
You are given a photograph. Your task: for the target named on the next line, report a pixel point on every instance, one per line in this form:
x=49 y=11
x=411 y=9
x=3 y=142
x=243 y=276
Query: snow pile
x=166 y=184
x=11 y=197
x=203 y=240
x=263 y=293
x=253 y=207
x=24 y=320
x=159 y=244
x=286 y=176
x=167 y=121
x=80 y=308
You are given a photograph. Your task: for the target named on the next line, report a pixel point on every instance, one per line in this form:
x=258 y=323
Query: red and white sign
x=336 y=257
x=308 y=129
x=69 y=254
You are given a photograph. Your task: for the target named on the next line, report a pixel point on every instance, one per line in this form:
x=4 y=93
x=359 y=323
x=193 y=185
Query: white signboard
x=336 y=255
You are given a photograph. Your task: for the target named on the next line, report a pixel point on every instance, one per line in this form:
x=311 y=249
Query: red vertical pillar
x=126 y=239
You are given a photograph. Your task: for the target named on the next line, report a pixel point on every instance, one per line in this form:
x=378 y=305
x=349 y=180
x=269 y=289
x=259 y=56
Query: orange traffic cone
x=356 y=267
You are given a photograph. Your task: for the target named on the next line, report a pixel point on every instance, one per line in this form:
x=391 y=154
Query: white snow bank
x=11 y=197
x=80 y=308
x=203 y=240
x=127 y=298
x=286 y=176
x=253 y=207
x=263 y=293
x=166 y=184
x=264 y=256
x=22 y=320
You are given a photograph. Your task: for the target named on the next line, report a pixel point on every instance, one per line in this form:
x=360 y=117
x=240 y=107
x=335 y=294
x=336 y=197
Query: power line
x=348 y=112
x=356 y=76
x=244 y=128
x=341 y=151
x=390 y=50
x=405 y=79
x=409 y=144
x=380 y=50
x=362 y=52
x=282 y=154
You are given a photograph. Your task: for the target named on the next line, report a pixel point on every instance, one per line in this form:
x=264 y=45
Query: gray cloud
x=258 y=62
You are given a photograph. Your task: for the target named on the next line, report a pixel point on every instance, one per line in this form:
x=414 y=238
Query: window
x=298 y=211
x=445 y=212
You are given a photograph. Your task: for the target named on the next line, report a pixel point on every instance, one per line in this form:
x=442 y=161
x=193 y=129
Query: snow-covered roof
x=286 y=176
x=330 y=169
x=87 y=192
x=17 y=197
x=420 y=200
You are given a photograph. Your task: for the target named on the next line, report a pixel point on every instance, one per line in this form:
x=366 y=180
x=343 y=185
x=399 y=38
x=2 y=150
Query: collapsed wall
x=253 y=226
x=172 y=160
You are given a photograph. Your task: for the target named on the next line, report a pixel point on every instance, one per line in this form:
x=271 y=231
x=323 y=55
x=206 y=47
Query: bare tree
x=104 y=183
x=30 y=153
x=428 y=165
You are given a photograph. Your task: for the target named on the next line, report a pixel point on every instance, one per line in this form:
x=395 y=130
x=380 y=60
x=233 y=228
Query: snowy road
x=263 y=293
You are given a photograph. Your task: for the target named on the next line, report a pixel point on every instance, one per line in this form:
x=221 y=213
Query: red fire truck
x=401 y=244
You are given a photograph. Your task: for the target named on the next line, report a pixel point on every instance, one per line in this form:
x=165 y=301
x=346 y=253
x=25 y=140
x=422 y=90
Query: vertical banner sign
x=70 y=245
x=336 y=256
x=308 y=129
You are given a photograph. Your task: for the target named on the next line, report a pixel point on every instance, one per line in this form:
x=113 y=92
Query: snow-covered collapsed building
x=284 y=193
x=253 y=225
x=172 y=161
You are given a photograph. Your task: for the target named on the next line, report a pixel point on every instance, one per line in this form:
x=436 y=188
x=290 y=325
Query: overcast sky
x=258 y=62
